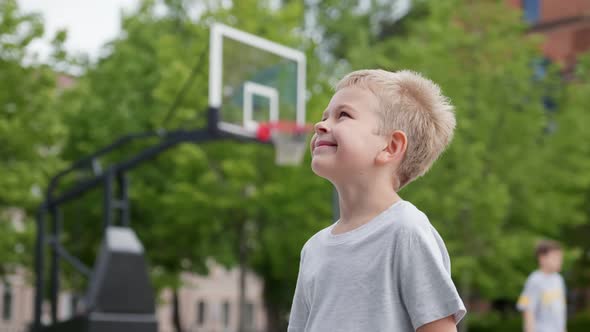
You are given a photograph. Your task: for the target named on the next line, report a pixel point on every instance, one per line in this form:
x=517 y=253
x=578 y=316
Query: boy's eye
x=343 y=114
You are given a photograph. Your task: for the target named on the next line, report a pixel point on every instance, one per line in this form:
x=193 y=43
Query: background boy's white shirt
x=544 y=297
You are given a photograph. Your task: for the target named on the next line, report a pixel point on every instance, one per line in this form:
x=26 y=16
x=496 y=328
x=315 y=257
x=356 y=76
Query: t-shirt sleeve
x=530 y=296
x=299 y=308
x=426 y=287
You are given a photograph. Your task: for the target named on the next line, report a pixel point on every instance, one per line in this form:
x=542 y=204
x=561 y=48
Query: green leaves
x=515 y=171
x=31 y=133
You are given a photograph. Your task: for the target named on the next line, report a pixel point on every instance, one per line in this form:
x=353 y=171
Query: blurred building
x=210 y=303
x=207 y=303
x=565 y=25
x=16 y=302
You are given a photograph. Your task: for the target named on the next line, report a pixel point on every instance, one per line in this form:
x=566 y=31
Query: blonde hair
x=415 y=105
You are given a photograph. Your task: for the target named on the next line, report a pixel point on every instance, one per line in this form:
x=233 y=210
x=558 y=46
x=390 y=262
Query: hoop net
x=289 y=139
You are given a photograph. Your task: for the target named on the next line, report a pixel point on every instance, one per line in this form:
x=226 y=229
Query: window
x=532 y=10
x=249 y=314
x=540 y=66
x=225 y=314
x=201 y=312
x=7 y=302
x=73 y=305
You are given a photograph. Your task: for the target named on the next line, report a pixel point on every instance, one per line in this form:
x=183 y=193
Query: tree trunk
x=465 y=295
x=176 y=321
x=274 y=321
x=276 y=305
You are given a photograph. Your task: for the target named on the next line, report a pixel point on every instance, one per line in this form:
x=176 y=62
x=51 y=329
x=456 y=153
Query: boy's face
x=551 y=261
x=346 y=140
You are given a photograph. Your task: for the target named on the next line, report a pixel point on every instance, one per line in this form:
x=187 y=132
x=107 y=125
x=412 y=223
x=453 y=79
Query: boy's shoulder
x=537 y=277
x=316 y=237
x=410 y=219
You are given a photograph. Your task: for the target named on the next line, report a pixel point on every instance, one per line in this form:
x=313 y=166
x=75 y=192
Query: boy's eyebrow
x=346 y=107
x=340 y=107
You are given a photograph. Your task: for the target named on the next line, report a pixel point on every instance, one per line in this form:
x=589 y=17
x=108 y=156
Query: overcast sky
x=90 y=24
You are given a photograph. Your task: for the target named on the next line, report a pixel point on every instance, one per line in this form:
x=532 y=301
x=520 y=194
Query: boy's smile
x=321 y=145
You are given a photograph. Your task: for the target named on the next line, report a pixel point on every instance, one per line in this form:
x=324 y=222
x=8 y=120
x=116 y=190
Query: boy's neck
x=359 y=204
x=546 y=270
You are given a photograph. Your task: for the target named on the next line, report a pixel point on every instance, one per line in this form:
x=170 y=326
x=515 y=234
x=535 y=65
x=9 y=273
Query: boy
x=382 y=266
x=543 y=300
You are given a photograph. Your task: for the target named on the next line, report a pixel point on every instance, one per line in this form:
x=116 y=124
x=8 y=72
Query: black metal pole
x=173 y=139
x=213 y=121
x=124 y=207
x=108 y=199
x=39 y=282
x=89 y=160
x=76 y=263
x=56 y=223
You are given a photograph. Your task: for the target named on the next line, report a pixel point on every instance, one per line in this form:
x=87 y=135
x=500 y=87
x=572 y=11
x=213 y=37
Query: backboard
x=254 y=80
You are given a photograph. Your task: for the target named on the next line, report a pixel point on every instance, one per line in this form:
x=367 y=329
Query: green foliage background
x=516 y=171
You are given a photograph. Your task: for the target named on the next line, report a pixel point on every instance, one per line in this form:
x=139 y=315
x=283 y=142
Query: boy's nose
x=321 y=127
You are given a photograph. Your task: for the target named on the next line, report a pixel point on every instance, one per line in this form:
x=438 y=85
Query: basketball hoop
x=289 y=139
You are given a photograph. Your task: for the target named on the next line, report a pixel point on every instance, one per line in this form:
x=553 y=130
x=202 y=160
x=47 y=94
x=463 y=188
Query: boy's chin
x=321 y=169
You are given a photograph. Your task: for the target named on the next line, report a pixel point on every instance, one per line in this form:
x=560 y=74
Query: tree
x=571 y=158
x=30 y=131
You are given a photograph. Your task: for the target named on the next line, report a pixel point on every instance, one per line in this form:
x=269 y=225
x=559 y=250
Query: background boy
x=382 y=266
x=543 y=301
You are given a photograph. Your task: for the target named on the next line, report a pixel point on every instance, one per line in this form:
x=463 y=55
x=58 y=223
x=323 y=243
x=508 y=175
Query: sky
x=90 y=24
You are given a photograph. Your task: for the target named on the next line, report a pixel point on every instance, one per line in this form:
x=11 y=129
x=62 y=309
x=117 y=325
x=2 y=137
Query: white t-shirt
x=544 y=296
x=391 y=274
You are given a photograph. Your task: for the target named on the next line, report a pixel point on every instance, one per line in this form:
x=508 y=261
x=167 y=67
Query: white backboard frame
x=221 y=31
x=252 y=89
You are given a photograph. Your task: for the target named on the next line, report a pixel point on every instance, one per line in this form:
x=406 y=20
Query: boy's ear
x=397 y=143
